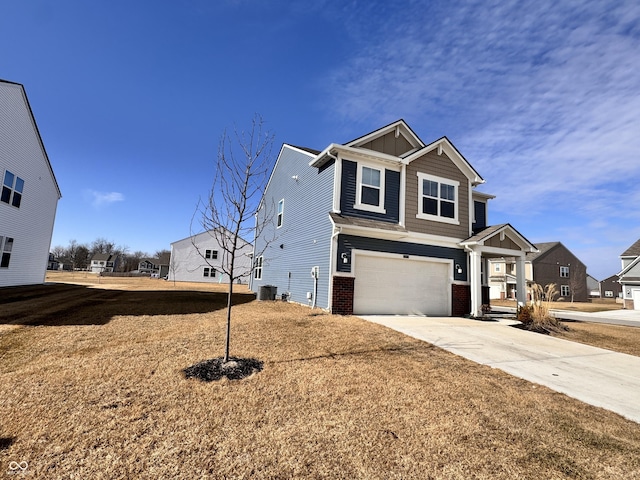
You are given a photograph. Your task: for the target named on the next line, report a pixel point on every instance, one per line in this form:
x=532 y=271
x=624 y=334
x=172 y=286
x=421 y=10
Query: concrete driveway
x=593 y=375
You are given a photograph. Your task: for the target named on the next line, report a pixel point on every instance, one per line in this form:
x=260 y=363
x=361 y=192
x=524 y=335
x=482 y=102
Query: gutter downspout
x=332 y=253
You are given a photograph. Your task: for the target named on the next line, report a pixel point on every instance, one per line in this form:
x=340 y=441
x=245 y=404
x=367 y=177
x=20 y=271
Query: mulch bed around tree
x=216 y=369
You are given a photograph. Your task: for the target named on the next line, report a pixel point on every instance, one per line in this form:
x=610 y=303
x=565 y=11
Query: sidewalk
x=628 y=318
x=593 y=375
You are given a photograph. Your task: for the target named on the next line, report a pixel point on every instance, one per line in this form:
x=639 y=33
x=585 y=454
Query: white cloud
x=101 y=199
x=542 y=98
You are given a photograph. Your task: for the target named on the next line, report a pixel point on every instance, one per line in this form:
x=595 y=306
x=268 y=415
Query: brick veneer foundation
x=461 y=300
x=342 y=299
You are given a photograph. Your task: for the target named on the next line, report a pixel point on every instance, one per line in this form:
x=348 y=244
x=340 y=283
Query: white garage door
x=636 y=299
x=401 y=286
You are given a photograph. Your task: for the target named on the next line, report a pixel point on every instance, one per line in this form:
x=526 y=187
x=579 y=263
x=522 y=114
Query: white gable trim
x=400 y=127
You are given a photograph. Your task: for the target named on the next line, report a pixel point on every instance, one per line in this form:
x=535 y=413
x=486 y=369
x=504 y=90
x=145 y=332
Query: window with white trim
x=6 y=245
x=564 y=290
x=12 y=187
x=437 y=199
x=608 y=293
x=497 y=267
x=280 y=213
x=257 y=271
x=370 y=193
x=564 y=272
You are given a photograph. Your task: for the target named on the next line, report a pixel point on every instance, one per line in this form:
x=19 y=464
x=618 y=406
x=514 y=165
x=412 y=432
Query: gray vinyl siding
x=348 y=194
x=346 y=243
x=440 y=166
x=31 y=225
x=304 y=240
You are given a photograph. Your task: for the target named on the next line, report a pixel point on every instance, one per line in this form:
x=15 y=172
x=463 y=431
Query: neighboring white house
x=199 y=258
x=104 y=263
x=29 y=192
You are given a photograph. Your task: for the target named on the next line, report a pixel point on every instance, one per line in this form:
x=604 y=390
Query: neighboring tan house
x=29 y=192
x=610 y=288
x=629 y=276
x=552 y=263
x=384 y=224
x=104 y=263
x=200 y=258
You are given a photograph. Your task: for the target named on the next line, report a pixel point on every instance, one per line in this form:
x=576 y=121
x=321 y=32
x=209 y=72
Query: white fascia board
x=400 y=127
x=629 y=267
x=356 y=154
x=482 y=195
x=460 y=162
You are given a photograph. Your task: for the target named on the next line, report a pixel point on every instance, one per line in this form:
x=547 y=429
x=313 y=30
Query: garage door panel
x=391 y=285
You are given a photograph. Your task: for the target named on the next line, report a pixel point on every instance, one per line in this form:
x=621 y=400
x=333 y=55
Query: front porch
x=495 y=242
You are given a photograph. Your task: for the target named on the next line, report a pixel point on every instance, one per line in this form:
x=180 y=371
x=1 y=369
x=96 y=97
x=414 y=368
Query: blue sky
x=542 y=98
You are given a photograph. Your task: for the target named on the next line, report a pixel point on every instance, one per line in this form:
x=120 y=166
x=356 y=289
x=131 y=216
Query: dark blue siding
x=348 y=194
x=348 y=242
x=480 y=210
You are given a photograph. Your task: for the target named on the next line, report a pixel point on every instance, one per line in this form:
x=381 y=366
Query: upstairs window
x=564 y=272
x=257 y=272
x=12 y=187
x=370 y=189
x=211 y=254
x=280 y=212
x=6 y=245
x=437 y=199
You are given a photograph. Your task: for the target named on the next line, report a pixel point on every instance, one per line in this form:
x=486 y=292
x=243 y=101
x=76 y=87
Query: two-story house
x=202 y=258
x=552 y=263
x=384 y=224
x=104 y=263
x=29 y=192
x=629 y=276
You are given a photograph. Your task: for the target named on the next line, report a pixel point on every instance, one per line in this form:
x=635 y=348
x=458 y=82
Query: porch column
x=475 y=274
x=521 y=285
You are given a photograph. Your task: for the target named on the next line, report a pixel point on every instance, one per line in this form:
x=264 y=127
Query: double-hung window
x=211 y=254
x=12 y=187
x=564 y=272
x=6 y=245
x=564 y=291
x=437 y=199
x=370 y=193
x=205 y=272
x=257 y=272
x=280 y=212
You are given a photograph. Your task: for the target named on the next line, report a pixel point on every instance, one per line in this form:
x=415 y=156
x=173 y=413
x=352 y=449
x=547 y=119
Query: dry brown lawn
x=594 y=306
x=612 y=337
x=92 y=386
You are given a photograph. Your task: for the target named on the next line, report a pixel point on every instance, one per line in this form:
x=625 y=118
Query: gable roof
x=543 y=249
x=488 y=232
x=35 y=128
x=419 y=148
x=632 y=251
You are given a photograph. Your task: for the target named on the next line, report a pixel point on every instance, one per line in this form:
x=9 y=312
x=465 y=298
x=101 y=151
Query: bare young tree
x=242 y=169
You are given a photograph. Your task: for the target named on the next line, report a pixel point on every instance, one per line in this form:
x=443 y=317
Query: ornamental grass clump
x=538 y=316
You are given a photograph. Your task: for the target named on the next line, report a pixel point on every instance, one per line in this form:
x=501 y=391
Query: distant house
x=553 y=263
x=104 y=263
x=200 y=258
x=593 y=287
x=29 y=192
x=630 y=276
x=53 y=264
x=610 y=287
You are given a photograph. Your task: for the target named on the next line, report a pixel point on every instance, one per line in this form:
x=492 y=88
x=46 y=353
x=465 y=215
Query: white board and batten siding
x=31 y=225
